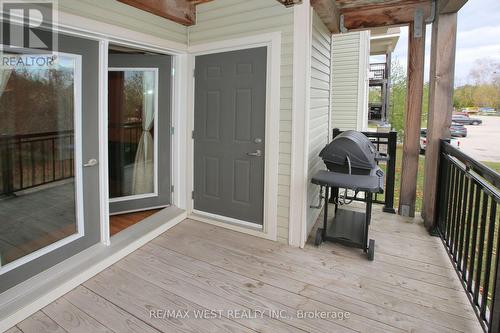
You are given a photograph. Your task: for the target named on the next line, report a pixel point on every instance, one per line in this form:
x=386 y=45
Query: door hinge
x=192 y=195
x=172 y=130
x=192 y=135
x=173 y=71
x=172 y=188
x=194 y=72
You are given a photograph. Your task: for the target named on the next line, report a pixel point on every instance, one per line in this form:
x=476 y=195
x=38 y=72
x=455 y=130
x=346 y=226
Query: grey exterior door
x=118 y=150
x=229 y=134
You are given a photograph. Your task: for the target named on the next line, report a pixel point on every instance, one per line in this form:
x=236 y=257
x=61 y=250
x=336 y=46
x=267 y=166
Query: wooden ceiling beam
x=180 y=11
x=388 y=14
x=450 y=6
x=329 y=13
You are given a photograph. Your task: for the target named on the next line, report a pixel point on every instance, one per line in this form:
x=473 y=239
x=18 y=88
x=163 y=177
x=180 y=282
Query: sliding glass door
x=138 y=131
x=49 y=197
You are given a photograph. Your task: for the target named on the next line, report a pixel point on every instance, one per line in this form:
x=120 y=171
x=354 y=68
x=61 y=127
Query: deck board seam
x=389 y=285
x=432 y=322
x=266 y=297
x=167 y=291
x=107 y=300
x=45 y=313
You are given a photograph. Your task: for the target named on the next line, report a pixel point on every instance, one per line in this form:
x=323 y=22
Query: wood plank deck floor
x=410 y=287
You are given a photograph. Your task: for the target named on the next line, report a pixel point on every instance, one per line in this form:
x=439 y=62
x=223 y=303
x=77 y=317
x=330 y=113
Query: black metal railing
x=35 y=159
x=385 y=143
x=378 y=71
x=468 y=219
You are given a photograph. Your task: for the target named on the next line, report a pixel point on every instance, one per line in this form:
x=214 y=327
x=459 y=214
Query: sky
x=478 y=37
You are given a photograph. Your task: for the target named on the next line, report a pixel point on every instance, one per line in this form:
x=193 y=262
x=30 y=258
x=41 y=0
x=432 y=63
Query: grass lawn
x=494 y=165
x=420 y=179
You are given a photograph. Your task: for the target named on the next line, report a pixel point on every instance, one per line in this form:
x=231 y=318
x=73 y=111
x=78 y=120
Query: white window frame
x=155 y=136
x=78 y=165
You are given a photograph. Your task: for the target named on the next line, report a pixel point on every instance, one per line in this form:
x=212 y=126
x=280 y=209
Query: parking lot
x=483 y=141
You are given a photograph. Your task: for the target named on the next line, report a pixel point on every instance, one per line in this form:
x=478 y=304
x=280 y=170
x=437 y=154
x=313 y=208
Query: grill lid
x=355 y=145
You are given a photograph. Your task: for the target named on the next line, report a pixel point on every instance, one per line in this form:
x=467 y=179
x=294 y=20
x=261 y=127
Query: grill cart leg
x=321 y=232
x=319 y=237
x=371 y=250
x=336 y=197
x=369 y=245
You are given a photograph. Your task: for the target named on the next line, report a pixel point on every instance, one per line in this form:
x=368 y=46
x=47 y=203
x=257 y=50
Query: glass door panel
x=49 y=120
x=37 y=140
x=131 y=133
x=139 y=90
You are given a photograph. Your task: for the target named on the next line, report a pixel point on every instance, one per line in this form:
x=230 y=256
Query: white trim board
x=21 y=301
x=363 y=80
x=103 y=142
x=302 y=16
x=273 y=43
x=179 y=125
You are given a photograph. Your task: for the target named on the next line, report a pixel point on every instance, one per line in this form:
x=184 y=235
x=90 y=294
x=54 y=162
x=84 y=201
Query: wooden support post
x=444 y=33
x=411 y=146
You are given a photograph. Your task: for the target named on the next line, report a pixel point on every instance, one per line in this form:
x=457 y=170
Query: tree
x=398 y=98
x=484 y=87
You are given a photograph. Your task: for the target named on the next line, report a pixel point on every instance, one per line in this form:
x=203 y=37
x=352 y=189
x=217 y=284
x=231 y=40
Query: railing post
x=442 y=193
x=391 y=173
x=495 y=307
x=7 y=169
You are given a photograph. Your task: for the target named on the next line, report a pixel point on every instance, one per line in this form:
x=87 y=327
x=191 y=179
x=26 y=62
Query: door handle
x=256 y=153
x=90 y=163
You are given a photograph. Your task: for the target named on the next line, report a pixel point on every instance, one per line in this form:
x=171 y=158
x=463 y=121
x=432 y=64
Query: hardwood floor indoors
x=120 y=222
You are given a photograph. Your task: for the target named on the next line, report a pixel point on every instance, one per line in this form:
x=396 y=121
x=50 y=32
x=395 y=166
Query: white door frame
x=297 y=228
x=105 y=34
x=273 y=43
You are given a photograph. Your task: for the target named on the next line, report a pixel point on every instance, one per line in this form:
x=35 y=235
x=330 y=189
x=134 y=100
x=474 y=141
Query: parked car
x=458 y=130
x=461 y=113
x=466 y=120
x=487 y=110
x=423 y=141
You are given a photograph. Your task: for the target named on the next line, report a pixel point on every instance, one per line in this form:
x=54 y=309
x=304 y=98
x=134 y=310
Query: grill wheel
x=319 y=237
x=371 y=249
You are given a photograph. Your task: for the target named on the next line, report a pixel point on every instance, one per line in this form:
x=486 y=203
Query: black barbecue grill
x=351 y=160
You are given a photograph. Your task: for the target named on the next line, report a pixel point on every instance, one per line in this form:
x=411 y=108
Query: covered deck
x=411 y=286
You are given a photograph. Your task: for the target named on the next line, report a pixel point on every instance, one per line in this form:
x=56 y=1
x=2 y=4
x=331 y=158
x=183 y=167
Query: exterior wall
x=122 y=15
x=350 y=61
x=226 y=19
x=319 y=109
